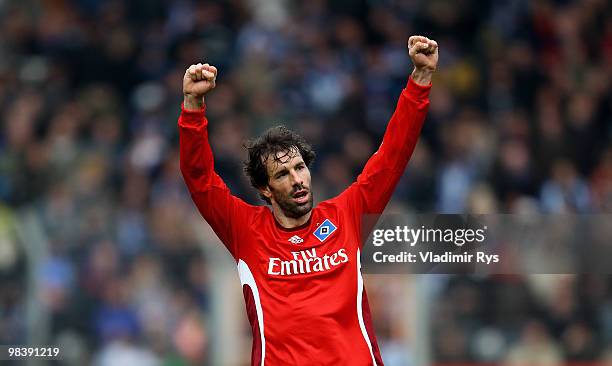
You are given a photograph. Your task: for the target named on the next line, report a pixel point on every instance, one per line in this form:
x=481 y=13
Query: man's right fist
x=198 y=80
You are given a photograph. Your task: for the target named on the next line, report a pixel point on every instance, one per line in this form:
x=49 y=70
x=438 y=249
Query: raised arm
x=218 y=206
x=374 y=186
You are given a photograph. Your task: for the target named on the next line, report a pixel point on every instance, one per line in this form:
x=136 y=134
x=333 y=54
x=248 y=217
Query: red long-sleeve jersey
x=303 y=287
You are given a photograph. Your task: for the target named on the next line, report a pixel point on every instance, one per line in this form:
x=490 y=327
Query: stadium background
x=102 y=251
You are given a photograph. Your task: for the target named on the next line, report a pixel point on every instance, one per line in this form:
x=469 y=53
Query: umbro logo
x=296 y=239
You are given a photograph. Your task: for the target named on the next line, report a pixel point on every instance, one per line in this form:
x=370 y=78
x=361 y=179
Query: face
x=289 y=184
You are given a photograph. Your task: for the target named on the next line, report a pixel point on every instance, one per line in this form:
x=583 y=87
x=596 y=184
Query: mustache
x=300 y=188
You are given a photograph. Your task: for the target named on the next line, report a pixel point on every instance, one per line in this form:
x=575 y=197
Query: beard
x=291 y=208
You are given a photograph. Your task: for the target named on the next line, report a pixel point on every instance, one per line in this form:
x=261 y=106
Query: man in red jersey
x=299 y=266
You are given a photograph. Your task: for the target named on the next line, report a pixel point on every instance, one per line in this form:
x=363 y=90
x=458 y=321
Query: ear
x=266 y=191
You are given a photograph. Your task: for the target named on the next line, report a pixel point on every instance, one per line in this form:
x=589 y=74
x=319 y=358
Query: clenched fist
x=424 y=54
x=198 y=80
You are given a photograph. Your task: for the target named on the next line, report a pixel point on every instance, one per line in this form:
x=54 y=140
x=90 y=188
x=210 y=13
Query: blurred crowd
x=530 y=320
x=90 y=90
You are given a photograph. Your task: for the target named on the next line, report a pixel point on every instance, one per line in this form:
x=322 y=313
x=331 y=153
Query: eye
x=301 y=167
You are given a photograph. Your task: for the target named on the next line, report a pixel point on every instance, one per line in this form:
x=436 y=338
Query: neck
x=289 y=222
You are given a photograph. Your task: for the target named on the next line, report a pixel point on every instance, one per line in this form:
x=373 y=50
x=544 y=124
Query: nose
x=296 y=178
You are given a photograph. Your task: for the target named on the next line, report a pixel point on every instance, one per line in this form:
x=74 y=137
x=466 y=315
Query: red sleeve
x=223 y=211
x=375 y=185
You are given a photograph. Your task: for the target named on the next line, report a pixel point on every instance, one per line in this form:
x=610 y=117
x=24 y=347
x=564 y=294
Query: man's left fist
x=423 y=52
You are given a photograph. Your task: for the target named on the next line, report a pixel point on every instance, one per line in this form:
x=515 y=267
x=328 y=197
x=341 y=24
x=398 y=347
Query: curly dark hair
x=275 y=140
